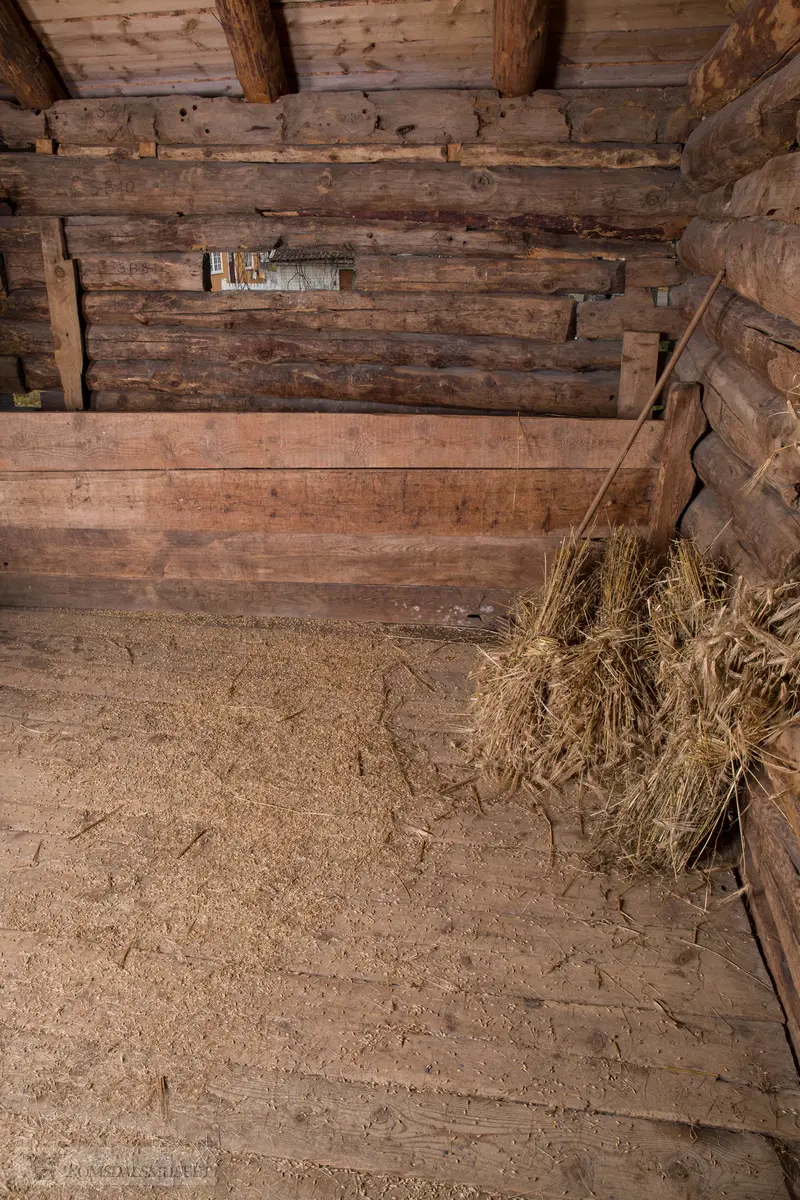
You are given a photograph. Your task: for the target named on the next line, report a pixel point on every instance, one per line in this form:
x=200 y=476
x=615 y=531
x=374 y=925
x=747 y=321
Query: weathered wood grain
x=538 y=1152
x=638 y=371
x=184 y=272
x=355 y=153
x=753 y=420
x=650 y=201
x=546 y=276
x=396 y=117
x=546 y=320
x=634 y=310
x=142 y=235
x=440 y=502
x=150 y=441
x=685 y=422
x=592 y=393
x=26 y=337
x=470 y=607
x=764 y=34
x=761 y=259
x=768 y=346
x=745 y=134
x=123 y=343
x=571 y=154
x=767 y=529
x=252 y=38
x=519 y=37
x=24 y=63
x=710 y=525
x=390 y=558
x=773 y=191
x=62 y=297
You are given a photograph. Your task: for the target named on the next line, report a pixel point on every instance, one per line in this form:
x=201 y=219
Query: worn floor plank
x=422 y=996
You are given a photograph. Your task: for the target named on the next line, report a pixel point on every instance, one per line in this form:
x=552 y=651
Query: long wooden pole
x=648 y=408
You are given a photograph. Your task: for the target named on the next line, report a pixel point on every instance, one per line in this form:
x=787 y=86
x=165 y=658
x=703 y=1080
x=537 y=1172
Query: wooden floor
x=257 y=909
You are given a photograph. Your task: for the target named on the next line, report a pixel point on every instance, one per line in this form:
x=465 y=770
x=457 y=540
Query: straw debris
x=661 y=693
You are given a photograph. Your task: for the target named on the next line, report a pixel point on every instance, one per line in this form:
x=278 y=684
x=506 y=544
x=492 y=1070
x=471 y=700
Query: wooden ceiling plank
x=24 y=63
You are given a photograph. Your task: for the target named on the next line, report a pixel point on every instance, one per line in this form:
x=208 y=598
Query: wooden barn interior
x=321 y=322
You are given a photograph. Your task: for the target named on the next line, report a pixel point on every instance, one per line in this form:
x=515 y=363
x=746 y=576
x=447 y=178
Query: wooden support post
x=24 y=63
x=62 y=296
x=520 y=35
x=685 y=425
x=637 y=373
x=252 y=37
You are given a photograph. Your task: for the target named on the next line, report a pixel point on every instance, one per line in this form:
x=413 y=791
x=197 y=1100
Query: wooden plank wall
x=151 y=47
x=431 y=518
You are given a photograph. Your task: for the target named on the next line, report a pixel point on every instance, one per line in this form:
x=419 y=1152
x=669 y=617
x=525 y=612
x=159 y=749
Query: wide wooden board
x=195 y=441
x=363 y=500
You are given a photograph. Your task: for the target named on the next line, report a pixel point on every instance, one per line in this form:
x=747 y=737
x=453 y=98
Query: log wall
x=744 y=166
x=501 y=249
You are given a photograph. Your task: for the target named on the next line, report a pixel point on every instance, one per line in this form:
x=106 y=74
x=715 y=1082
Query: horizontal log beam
x=761 y=259
x=558 y=393
x=746 y=134
x=380 y=273
x=763 y=35
x=773 y=191
x=768 y=346
x=648 y=201
x=535 y=274
x=151 y=441
x=767 y=529
x=175 y=343
x=522 y=316
x=396 y=117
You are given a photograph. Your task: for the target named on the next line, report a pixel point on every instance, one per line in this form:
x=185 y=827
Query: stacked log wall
x=479 y=285
x=744 y=166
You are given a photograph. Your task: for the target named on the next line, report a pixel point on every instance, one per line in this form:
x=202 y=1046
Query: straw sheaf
x=662 y=694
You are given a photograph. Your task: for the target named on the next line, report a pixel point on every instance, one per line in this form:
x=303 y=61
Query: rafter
x=24 y=63
x=253 y=42
x=520 y=34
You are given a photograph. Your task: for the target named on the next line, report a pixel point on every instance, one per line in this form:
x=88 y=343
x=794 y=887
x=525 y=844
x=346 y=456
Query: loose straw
x=648 y=408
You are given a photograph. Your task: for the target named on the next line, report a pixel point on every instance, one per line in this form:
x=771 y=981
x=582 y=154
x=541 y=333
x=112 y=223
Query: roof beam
x=24 y=63
x=520 y=34
x=253 y=42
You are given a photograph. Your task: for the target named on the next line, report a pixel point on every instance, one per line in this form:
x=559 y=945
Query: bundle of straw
x=604 y=699
x=663 y=695
x=516 y=682
x=728 y=684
